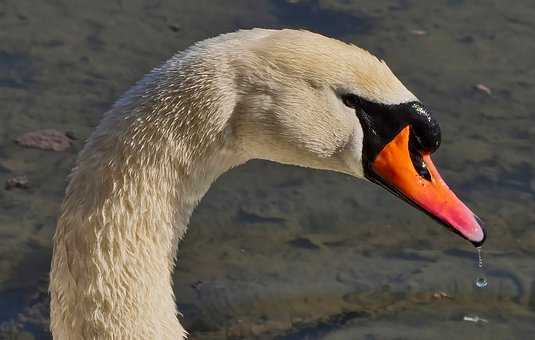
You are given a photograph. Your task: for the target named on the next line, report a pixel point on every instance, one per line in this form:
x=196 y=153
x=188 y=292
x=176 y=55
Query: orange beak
x=394 y=169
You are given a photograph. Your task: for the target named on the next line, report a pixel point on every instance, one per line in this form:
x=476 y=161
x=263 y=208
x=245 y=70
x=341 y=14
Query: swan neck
x=116 y=240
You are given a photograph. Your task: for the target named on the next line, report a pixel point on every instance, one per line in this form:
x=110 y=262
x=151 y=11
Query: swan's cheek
x=351 y=155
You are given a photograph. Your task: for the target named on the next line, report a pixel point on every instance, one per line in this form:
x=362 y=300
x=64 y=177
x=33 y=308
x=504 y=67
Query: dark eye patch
x=382 y=122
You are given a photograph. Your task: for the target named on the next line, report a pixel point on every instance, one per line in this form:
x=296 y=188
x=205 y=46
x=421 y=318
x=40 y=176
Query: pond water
x=278 y=252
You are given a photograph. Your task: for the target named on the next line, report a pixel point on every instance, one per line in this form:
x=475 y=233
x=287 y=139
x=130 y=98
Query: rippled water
x=293 y=253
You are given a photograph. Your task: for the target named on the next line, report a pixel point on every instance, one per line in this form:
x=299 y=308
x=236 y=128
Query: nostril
x=423 y=171
x=419 y=165
x=417 y=159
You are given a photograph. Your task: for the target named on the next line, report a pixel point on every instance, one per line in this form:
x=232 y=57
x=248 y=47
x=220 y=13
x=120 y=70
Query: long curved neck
x=127 y=204
x=116 y=242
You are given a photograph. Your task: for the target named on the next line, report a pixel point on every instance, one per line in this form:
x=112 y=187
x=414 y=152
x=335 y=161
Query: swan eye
x=351 y=101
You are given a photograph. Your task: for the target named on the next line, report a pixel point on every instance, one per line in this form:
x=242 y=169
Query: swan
x=287 y=96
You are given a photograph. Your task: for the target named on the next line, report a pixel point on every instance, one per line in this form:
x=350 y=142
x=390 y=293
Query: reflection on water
x=294 y=253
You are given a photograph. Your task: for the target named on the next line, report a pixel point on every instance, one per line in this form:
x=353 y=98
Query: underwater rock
x=47 y=139
x=71 y=135
x=440 y=295
x=418 y=32
x=174 y=28
x=20 y=182
x=303 y=243
x=483 y=89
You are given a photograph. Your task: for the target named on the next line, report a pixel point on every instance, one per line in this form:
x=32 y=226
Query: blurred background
x=278 y=252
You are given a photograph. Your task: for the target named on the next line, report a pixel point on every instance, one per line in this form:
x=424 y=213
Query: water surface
x=278 y=252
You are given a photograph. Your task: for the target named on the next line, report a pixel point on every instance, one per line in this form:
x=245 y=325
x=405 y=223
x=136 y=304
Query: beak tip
x=394 y=169
x=483 y=236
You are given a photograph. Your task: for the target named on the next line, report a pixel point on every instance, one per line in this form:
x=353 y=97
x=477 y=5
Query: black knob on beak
x=425 y=130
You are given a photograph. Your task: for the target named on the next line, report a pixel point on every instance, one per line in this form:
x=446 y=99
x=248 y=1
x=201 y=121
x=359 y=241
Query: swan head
x=313 y=101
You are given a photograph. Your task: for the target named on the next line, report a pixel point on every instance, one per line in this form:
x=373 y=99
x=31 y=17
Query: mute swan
x=288 y=96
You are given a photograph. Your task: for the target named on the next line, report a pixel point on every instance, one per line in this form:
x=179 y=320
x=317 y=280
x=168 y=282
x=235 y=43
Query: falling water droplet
x=481 y=281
